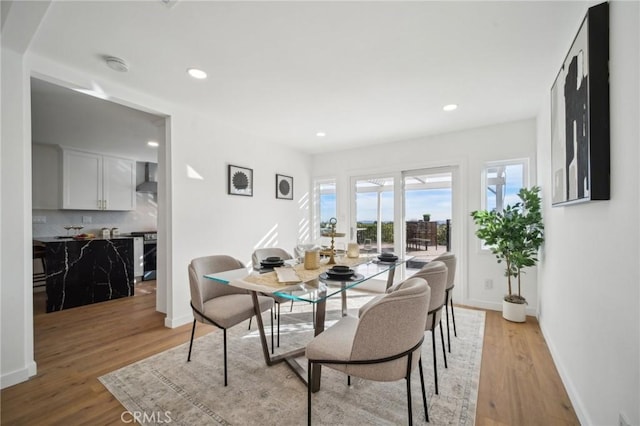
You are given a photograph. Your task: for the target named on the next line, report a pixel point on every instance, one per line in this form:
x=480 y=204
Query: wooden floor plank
x=519 y=385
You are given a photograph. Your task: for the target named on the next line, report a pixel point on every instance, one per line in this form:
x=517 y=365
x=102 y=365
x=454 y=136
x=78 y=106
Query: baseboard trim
x=576 y=401
x=18 y=376
x=493 y=306
x=177 y=322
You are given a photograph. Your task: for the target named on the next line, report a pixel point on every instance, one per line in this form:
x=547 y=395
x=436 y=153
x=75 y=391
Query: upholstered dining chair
x=258 y=256
x=383 y=344
x=449 y=259
x=435 y=273
x=219 y=304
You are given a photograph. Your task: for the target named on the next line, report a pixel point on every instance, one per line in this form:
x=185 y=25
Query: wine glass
x=68 y=228
x=77 y=228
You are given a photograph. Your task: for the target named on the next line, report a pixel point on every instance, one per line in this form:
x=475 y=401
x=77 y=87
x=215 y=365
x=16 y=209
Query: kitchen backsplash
x=144 y=218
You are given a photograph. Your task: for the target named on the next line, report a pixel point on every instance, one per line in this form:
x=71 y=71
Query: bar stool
x=39 y=252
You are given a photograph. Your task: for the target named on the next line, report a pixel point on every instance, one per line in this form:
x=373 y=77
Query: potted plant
x=514 y=235
x=426 y=217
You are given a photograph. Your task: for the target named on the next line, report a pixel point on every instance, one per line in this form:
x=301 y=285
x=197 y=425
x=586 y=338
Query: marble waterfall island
x=81 y=272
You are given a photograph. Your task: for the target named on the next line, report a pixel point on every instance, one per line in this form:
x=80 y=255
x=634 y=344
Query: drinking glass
x=367 y=245
x=300 y=249
x=68 y=228
x=340 y=251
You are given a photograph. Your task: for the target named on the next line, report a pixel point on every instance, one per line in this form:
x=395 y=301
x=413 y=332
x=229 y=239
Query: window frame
x=316 y=232
x=524 y=162
x=484 y=185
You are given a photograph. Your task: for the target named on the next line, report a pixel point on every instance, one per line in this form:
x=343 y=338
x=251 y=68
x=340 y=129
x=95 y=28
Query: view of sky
x=436 y=202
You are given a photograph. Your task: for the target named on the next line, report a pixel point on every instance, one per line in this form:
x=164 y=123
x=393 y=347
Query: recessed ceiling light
x=450 y=107
x=153 y=144
x=321 y=134
x=117 y=64
x=196 y=73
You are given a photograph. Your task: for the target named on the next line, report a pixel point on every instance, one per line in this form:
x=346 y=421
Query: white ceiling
x=363 y=72
x=62 y=116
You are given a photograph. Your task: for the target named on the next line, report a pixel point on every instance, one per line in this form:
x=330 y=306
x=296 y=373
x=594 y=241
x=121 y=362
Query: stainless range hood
x=150 y=184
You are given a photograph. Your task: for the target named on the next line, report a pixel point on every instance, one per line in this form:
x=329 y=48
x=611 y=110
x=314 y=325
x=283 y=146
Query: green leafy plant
x=514 y=235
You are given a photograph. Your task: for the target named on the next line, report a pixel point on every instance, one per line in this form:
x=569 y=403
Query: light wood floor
x=519 y=384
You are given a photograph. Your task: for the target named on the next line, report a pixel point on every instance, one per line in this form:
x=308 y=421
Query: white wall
x=469 y=150
x=589 y=277
x=15 y=223
x=205 y=220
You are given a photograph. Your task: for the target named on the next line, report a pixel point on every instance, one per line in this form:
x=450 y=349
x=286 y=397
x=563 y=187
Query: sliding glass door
x=427 y=212
x=373 y=227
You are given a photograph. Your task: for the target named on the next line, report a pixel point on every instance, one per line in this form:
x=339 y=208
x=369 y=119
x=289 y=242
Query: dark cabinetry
x=87 y=271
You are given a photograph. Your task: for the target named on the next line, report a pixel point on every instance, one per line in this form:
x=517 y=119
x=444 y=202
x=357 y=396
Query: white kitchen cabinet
x=93 y=181
x=45 y=178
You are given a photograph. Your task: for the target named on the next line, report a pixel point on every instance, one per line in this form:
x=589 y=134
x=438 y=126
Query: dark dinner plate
x=271 y=264
x=387 y=258
x=340 y=273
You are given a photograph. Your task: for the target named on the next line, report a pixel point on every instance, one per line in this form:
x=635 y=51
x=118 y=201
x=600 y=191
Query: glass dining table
x=312 y=286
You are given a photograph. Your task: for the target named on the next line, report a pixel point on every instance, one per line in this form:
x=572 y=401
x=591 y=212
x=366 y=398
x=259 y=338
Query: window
x=326 y=199
x=374 y=212
x=502 y=181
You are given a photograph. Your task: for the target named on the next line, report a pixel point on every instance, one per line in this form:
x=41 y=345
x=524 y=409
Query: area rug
x=165 y=388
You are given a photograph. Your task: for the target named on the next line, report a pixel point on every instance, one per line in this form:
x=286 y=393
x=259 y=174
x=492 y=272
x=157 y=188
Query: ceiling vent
x=169 y=3
x=117 y=64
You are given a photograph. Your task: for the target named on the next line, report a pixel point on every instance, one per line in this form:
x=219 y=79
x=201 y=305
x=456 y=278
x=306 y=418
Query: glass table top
x=313 y=290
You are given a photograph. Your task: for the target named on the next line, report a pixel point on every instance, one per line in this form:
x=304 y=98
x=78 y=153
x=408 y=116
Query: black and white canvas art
x=284 y=187
x=580 y=115
x=240 y=181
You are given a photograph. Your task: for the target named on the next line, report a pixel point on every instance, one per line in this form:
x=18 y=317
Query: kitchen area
x=94 y=198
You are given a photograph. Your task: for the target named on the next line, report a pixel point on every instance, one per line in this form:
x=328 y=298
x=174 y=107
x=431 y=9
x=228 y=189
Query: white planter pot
x=515 y=312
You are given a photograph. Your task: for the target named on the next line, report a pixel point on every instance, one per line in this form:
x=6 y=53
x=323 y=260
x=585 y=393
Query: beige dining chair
x=449 y=259
x=258 y=256
x=219 y=304
x=383 y=344
x=435 y=273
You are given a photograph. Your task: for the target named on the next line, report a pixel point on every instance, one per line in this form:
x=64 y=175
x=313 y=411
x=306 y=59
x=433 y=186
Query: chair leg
x=309 y=393
x=224 y=333
x=291 y=308
x=435 y=366
x=446 y=311
x=272 y=342
x=193 y=330
x=424 y=396
x=453 y=316
x=444 y=350
x=348 y=380
x=250 y=323
x=409 y=392
x=279 y=324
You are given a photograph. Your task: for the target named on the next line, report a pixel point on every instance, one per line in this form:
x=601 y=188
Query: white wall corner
x=572 y=392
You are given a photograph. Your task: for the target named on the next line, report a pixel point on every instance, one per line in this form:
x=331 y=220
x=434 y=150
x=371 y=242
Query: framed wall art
x=284 y=187
x=580 y=115
x=240 y=181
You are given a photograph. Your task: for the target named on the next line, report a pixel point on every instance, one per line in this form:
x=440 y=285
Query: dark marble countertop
x=70 y=239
